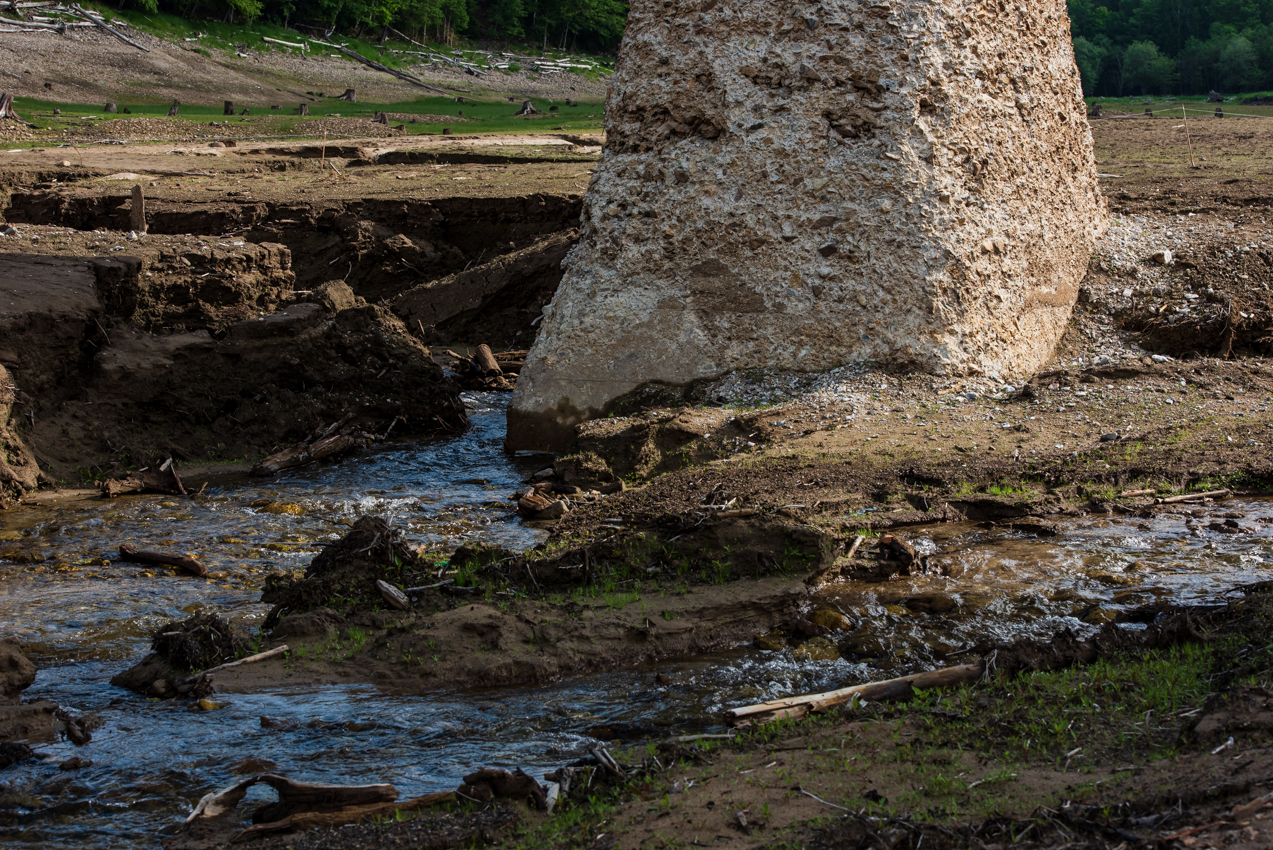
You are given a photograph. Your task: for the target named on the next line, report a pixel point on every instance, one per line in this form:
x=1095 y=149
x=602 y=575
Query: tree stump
x=1219 y=112
x=6 y=110
x=110 y=107
x=381 y=118
x=528 y=108
x=172 y=110
x=304 y=109
x=245 y=111
x=349 y=96
x=229 y=108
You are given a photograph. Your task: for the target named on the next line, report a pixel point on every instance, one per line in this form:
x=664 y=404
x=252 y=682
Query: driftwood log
x=485 y=360
x=186 y=564
x=102 y=25
x=307 y=452
x=887 y=691
x=163 y=480
x=415 y=81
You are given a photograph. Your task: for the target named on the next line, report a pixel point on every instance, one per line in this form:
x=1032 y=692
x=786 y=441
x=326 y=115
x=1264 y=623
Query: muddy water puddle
x=152 y=760
x=1004 y=584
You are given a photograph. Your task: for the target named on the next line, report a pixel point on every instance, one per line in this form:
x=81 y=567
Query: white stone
x=795 y=186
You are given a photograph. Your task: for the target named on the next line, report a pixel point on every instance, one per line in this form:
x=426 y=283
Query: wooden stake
x=1185 y=113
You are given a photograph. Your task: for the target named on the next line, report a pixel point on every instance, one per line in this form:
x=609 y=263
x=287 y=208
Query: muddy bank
x=486 y=617
x=92 y=385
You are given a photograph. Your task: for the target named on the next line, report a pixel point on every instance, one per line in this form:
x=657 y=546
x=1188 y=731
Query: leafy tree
x=1147 y=69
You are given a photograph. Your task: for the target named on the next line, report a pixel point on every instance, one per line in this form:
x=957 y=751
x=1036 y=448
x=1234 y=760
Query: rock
x=487 y=785
x=1162 y=258
x=556 y=510
x=534 y=504
x=75 y=763
x=282 y=509
x=1110 y=437
x=1037 y=527
x=894 y=548
x=612 y=488
x=933 y=602
x=334 y=296
x=833 y=620
x=817 y=649
x=793 y=198
x=772 y=642
x=17 y=673
x=12 y=753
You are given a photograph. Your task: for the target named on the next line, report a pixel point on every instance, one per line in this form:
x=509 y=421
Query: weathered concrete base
x=801 y=186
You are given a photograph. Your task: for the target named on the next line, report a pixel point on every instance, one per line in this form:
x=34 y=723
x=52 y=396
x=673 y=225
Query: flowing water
x=84 y=616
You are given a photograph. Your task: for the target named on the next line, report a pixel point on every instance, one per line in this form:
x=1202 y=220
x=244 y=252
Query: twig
x=822 y=801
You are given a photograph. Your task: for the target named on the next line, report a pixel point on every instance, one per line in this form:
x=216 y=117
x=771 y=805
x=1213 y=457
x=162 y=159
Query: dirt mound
x=202 y=641
x=1220 y=305
x=343 y=576
x=194 y=289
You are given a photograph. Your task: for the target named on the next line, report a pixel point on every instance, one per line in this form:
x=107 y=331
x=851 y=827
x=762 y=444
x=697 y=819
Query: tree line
x=1123 y=47
x=552 y=24
x=1172 y=47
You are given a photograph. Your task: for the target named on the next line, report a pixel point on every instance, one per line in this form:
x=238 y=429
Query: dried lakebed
x=360 y=704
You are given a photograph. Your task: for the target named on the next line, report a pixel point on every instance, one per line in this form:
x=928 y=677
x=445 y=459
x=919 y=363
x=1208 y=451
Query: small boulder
x=833 y=620
x=17 y=673
x=817 y=649
x=334 y=296
x=1161 y=258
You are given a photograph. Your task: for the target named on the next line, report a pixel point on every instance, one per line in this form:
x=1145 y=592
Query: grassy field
x=471 y=116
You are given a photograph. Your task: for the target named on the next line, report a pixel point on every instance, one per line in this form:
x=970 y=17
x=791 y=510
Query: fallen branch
x=352 y=814
x=384 y=68
x=1214 y=494
x=284 y=43
x=142 y=481
x=251 y=659
x=186 y=564
x=102 y=25
x=889 y=690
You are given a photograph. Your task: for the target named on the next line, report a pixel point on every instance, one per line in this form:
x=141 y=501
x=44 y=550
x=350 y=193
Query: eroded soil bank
x=143 y=317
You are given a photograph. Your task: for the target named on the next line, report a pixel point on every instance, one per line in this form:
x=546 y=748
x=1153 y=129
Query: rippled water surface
x=152 y=760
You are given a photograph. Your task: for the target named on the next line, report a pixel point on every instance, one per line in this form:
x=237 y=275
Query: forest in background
x=589 y=25
x=1173 y=47
x=1123 y=47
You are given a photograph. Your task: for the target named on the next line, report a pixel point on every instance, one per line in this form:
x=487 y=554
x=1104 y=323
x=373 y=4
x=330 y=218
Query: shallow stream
x=84 y=620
